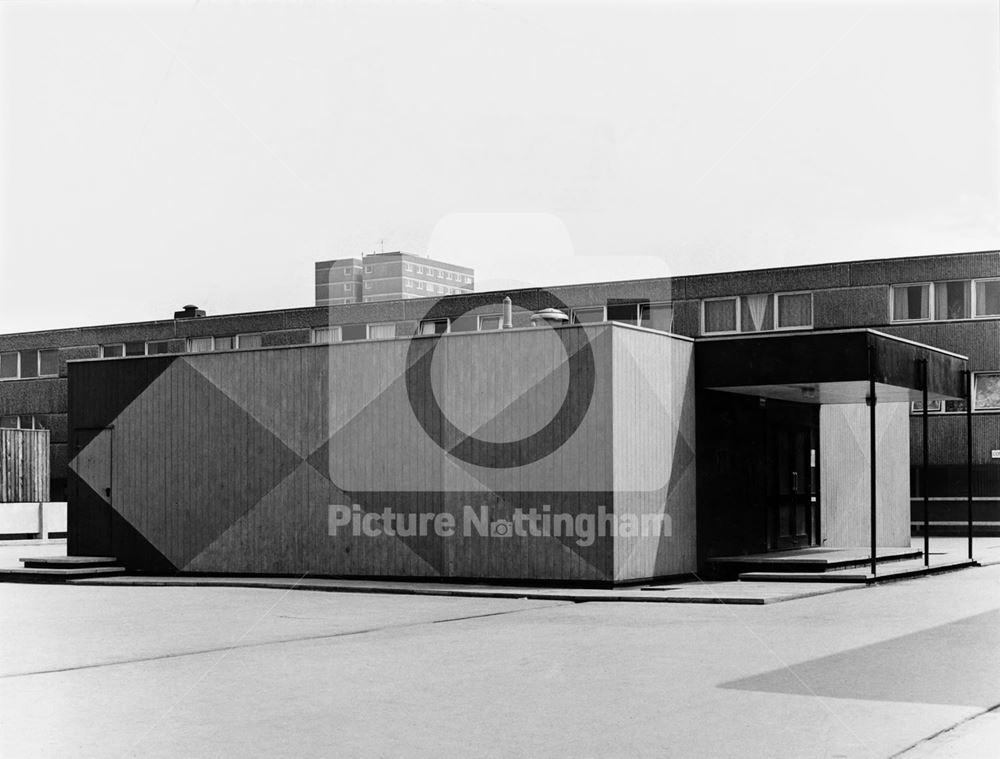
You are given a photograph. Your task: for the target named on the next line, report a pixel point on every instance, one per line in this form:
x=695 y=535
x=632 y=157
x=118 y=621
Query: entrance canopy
x=829 y=367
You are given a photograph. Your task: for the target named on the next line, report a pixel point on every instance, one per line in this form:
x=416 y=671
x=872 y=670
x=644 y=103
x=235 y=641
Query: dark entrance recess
x=756 y=484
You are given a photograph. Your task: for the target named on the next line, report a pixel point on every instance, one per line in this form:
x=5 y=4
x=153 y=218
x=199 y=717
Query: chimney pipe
x=508 y=313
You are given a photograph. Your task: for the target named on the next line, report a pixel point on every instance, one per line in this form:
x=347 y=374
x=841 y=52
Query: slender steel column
x=872 y=440
x=923 y=474
x=968 y=453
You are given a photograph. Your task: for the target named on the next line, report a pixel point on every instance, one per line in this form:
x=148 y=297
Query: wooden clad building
x=24 y=466
x=561 y=454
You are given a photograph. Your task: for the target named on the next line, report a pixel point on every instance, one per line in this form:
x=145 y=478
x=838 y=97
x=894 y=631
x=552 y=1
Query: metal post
x=968 y=453
x=872 y=440
x=923 y=474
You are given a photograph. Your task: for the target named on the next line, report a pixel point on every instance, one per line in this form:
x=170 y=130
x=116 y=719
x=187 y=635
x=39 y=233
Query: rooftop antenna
x=382 y=246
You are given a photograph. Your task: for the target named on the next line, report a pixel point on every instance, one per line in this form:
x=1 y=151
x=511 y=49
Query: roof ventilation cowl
x=189 y=312
x=551 y=317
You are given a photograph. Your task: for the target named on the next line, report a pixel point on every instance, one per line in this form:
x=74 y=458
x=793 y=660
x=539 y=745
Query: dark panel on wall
x=799 y=358
x=824 y=357
x=854 y=307
x=898 y=363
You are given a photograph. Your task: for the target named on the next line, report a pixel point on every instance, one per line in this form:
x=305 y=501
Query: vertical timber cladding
x=845 y=474
x=331 y=460
x=24 y=466
x=654 y=454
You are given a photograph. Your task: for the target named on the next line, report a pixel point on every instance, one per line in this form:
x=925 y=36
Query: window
x=381 y=331
x=249 y=341
x=794 y=310
x=911 y=302
x=354 y=332
x=199 y=344
x=224 y=343
x=369 y=269
x=24 y=422
x=988 y=297
x=468 y=280
x=933 y=407
x=48 y=363
x=946 y=300
x=348 y=271
x=8 y=365
x=953 y=300
x=756 y=313
x=157 y=347
x=433 y=327
x=588 y=315
x=627 y=313
x=113 y=350
x=135 y=348
x=407 y=267
x=348 y=287
x=987 y=395
x=720 y=315
x=368 y=285
x=656 y=316
x=490 y=322
x=29 y=364
x=326 y=335
x=955 y=407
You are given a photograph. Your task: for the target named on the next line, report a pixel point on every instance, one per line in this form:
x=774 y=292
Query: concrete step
x=68 y=562
x=900 y=572
x=810 y=560
x=50 y=575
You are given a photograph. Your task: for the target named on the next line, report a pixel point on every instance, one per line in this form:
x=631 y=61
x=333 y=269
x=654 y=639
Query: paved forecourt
x=215 y=671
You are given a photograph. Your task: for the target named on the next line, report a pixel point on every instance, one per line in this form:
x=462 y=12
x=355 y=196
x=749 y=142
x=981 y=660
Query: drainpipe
x=871 y=443
x=968 y=453
x=923 y=473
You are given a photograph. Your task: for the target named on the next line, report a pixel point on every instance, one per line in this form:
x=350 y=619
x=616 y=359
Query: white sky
x=157 y=154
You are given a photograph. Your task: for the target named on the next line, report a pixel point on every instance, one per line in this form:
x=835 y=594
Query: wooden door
x=793 y=492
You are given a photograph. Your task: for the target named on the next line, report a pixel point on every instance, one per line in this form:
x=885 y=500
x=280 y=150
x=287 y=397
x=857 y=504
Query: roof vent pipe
x=508 y=313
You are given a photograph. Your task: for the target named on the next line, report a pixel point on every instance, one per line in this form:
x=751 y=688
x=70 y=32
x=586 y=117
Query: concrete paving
x=109 y=671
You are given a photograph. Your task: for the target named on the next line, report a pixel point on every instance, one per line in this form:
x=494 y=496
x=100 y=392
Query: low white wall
x=845 y=475
x=32 y=518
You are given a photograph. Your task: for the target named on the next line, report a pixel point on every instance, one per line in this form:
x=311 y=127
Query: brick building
x=951 y=302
